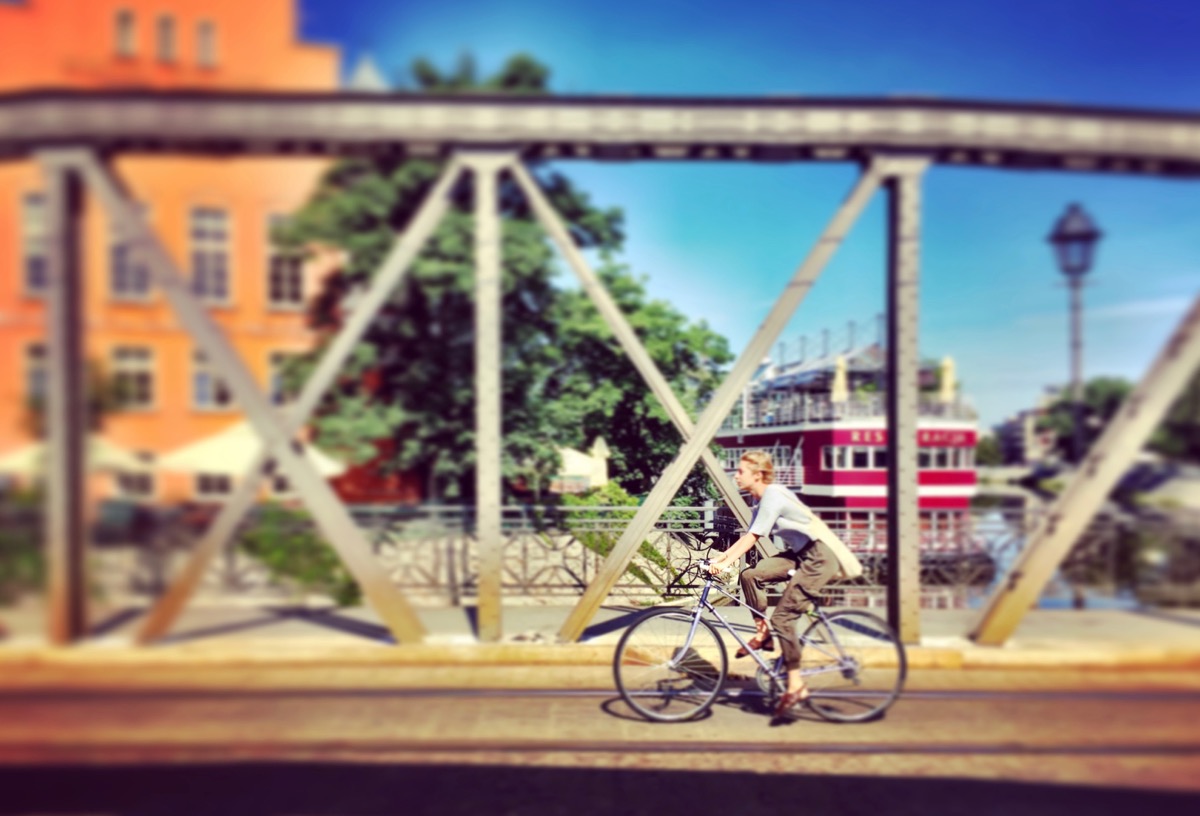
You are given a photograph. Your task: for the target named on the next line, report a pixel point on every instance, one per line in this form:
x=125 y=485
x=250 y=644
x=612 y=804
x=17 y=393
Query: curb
x=336 y=654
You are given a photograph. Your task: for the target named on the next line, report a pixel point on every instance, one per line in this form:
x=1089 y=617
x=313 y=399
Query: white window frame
x=275 y=360
x=206 y=44
x=166 y=37
x=295 y=263
x=125 y=33
x=213 y=486
x=36 y=363
x=206 y=251
x=35 y=232
x=210 y=392
x=141 y=364
x=124 y=477
x=118 y=242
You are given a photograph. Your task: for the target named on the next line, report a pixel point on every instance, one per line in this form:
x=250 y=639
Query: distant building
x=581 y=472
x=1020 y=440
x=214 y=215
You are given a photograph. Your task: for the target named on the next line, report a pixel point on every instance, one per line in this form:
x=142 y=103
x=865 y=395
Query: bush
x=603 y=541
x=22 y=562
x=288 y=544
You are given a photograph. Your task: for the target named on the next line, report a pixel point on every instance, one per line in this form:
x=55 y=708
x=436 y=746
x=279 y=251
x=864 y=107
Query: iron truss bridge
x=973 y=133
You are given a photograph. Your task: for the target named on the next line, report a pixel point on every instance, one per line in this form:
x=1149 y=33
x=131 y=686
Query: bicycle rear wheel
x=666 y=671
x=854 y=665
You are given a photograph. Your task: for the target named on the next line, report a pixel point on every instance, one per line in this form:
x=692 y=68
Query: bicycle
x=671 y=663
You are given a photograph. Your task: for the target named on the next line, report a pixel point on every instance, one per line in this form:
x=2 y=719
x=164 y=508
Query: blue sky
x=720 y=241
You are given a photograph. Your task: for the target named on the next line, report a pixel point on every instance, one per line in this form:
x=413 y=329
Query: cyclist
x=807 y=548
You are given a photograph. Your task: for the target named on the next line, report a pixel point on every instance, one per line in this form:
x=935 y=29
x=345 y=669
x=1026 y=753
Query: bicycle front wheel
x=854 y=664
x=668 y=670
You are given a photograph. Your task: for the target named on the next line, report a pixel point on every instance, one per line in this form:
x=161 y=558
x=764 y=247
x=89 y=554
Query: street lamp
x=1074 y=238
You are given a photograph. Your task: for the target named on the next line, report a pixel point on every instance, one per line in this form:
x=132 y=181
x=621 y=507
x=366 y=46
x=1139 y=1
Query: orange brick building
x=214 y=216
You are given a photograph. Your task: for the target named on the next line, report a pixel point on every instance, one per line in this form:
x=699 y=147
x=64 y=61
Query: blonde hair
x=761 y=461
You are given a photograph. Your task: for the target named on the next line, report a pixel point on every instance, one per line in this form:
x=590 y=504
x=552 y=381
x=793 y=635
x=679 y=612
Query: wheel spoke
x=853 y=664
x=666 y=671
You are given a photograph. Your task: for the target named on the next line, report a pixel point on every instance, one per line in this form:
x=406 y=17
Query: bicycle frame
x=704 y=605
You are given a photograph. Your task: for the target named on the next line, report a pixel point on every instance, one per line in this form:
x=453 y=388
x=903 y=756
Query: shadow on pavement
x=612 y=624
x=470 y=790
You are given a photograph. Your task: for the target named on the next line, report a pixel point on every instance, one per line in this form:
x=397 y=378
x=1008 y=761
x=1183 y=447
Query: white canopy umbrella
x=30 y=460
x=840 y=390
x=231 y=451
x=948 y=385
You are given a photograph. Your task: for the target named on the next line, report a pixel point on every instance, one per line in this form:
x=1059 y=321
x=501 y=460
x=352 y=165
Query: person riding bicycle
x=807 y=548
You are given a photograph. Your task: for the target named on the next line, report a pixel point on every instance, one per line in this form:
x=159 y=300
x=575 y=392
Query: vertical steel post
x=903 y=278
x=488 y=403
x=1056 y=532
x=66 y=408
x=1076 y=284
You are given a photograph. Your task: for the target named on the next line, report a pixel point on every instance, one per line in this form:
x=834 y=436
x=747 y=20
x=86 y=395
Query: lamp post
x=1074 y=239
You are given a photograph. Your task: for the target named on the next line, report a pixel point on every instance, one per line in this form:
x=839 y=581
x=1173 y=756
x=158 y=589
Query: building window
x=285 y=272
x=206 y=44
x=166 y=39
x=860 y=458
x=881 y=458
x=125 y=33
x=129 y=275
x=36 y=373
x=34 y=236
x=209 y=391
x=136 y=485
x=213 y=485
x=276 y=386
x=133 y=376
x=210 y=254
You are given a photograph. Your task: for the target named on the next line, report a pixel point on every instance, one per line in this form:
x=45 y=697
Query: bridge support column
x=65 y=528
x=488 y=403
x=903 y=281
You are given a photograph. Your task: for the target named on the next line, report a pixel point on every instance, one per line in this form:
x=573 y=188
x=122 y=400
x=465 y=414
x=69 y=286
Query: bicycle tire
x=651 y=677
x=854 y=665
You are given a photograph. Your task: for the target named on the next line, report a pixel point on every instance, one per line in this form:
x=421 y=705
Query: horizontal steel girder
x=623 y=128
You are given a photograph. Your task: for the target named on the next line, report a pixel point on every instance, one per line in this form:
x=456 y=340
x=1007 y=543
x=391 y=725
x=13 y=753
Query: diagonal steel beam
x=712 y=416
x=1053 y=537
x=627 y=337
x=329 y=513
x=164 y=613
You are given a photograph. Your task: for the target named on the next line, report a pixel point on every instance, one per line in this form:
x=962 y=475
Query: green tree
x=987 y=451
x=1102 y=397
x=1177 y=437
x=410 y=382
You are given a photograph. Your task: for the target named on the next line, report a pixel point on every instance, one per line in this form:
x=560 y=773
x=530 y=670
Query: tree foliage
x=410 y=383
x=1177 y=437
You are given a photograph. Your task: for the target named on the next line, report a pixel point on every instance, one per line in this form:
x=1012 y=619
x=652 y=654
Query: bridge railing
x=431 y=553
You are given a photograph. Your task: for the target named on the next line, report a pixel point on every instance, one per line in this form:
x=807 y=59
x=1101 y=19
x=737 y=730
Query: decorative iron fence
x=555 y=552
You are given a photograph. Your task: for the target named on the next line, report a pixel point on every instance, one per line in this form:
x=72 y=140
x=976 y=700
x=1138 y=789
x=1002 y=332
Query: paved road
x=489 y=741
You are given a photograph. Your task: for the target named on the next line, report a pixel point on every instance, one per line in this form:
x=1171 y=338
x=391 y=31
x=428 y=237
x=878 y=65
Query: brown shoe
x=758 y=643
x=790 y=699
